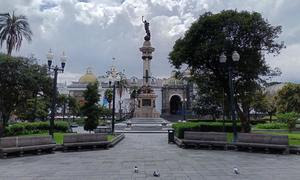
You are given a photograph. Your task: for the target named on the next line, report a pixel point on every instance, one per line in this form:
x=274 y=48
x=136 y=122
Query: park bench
x=208 y=139
x=79 y=141
x=10 y=145
x=252 y=141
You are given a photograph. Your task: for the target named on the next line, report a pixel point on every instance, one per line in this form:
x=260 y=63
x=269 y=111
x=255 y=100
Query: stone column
x=146 y=56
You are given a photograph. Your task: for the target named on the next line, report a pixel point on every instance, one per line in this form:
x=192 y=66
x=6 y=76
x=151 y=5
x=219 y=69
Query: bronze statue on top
x=146 y=24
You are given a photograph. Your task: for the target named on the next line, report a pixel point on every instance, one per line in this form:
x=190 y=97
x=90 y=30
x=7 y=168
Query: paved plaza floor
x=150 y=152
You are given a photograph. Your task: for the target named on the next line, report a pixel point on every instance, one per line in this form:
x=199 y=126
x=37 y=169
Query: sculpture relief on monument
x=146 y=96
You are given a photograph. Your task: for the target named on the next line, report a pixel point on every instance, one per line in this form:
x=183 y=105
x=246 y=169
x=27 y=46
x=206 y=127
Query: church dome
x=89 y=77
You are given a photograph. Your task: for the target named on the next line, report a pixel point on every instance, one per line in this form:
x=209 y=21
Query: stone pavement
x=150 y=152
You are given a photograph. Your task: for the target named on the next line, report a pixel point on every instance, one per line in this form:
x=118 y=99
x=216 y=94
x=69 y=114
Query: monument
x=146 y=96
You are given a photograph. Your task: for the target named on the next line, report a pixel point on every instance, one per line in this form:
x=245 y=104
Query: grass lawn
x=110 y=137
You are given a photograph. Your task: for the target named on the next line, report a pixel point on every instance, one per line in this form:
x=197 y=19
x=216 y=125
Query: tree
x=121 y=87
x=91 y=108
x=20 y=80
x=108 y=95
x=74 y=107
x=289 y=118
x=288 y=98
x=12 y=30
x=270 y=105
x=133 y=96
x=35 y=108
x=62 y=102
x=247 y=33
x=208 y=101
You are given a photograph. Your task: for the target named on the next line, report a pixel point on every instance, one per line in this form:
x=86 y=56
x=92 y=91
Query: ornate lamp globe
x=223 y=58
x=235 y=56
x=50 y=57
x=63 y=60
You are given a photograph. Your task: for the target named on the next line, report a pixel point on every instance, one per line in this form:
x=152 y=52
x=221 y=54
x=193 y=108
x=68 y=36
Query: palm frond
x=13 y=29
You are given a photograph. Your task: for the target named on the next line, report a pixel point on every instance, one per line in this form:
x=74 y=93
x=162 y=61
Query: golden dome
x=89 y=77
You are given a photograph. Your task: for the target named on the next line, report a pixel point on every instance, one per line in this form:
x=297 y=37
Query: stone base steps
x=144 y=125
x=146 y=121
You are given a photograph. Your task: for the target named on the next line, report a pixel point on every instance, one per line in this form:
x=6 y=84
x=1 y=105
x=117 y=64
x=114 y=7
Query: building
x=173 y=95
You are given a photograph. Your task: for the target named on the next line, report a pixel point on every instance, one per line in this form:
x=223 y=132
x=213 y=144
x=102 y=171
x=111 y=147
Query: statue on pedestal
x=146 y=25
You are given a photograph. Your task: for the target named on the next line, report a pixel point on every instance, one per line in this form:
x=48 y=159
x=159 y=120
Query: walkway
x=150 y=152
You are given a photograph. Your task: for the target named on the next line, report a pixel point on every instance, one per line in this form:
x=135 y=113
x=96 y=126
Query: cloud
x=93 y=31
x=289 y=63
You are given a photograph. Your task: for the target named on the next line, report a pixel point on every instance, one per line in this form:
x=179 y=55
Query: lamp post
x=234 y=58
x=184 y=108
x=55 y=69
x=114 y=106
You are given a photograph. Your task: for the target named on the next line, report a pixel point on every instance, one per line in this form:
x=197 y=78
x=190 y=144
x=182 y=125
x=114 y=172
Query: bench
x=209 y=139
x=27 y=143
x=262 y=141
x=79 y=141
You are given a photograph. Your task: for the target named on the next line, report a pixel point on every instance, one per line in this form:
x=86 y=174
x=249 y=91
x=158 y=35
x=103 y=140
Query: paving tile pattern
x=150 y=152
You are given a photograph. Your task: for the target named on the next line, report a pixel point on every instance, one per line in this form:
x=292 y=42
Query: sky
x=92 y=32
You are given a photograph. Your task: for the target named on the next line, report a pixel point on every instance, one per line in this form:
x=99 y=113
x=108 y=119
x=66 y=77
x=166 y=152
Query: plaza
x=172 y=90
x=150 y=152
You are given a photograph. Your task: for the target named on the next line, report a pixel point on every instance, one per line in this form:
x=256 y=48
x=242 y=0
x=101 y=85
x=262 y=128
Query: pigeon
x=136 y=170
x=156 y=173
x=236 y=170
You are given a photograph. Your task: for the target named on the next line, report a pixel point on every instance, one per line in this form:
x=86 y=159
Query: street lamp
x=114 y=106
x=235 y=58
x=185 y=93
x=55 y=69
x=184 y=108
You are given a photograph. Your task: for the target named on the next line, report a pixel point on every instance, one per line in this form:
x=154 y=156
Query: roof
x=89 y=77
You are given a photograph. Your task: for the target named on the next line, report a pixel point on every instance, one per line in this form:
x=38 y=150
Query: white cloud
x=289 y=63
x=93 y=31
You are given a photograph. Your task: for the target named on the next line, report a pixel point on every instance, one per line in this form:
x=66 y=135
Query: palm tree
x=108 y=95
x=122 y=86
x=12 y=30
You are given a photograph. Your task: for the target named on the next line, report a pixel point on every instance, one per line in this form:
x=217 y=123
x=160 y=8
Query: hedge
x=203 y=127
x=252 y=122
x=35 y=128
x=273 y=125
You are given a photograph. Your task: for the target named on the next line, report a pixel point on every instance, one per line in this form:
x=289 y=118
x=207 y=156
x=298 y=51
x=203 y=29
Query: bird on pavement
x=136 y=170
x=156 y=173
x=236 y=170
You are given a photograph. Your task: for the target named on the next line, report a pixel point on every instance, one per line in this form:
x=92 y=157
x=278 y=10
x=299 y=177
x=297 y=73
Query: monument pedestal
x=146 y=104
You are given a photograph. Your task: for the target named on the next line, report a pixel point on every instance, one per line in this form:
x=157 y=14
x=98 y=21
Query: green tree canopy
x=245 y=32
x=288 y=98
x=74 y=107
x=91 y=109
x=21 y=79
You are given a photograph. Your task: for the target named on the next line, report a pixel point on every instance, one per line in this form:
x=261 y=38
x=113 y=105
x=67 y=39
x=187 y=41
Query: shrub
x=80 y=121
x=35 y=128
x=202 y=126
x=289 y=118
x=252 y=122
x=273 y=125
x=61 y=126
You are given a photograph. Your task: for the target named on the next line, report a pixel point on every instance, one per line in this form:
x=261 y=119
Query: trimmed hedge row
x=273 y=125
x=35 y=128
x=203 y=127
x=252 y=122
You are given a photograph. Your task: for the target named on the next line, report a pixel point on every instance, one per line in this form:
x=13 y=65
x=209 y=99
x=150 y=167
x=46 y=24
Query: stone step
x=146 y=128
x=146 y=121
